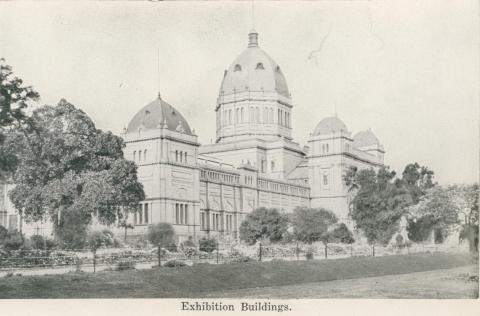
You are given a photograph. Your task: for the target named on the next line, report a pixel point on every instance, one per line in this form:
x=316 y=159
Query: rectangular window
x=325 y=179
x=181 y=214
x=213 y=221
x=217 y=217
x=146 y=213
x=177 y=214
x=202 y=220
x=186 y=214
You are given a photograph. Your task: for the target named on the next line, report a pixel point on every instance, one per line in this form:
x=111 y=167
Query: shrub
x=3 y=233
x=207 y=244
x=13 y=241
x=125 y=265
x=171 y=247
x=309 y=254
x=100 y=239
x=174 y=264
x=343 y=234
x=190 y=252
x=39 y=242
x=161 y=234
x=187 y=243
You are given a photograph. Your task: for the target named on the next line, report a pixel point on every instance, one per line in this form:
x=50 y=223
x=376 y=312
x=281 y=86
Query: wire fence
x=31 y=262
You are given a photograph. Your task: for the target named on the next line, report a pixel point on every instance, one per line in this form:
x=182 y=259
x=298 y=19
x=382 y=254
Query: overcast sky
x=407 y=70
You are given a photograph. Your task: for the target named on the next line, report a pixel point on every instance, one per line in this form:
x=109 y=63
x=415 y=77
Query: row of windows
x=140 y=217
x=248 y=180
x=238 y=67
x=326 y=148
x=215 y=220
x=180 y=156
x=228 y=117
x=181 y=214
x=142 y=155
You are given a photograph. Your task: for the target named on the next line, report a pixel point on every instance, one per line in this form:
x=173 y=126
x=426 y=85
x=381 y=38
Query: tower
x=159 y=140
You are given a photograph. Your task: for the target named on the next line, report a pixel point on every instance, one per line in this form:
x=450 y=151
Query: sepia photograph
x=260 y=151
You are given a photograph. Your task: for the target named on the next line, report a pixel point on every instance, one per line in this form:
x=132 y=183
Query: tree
x=470 y=212
x=437 y=210
x=418 y=179
x=161 y=234
x=263 y=223
x=350 y=180
x=14 y=99
x=70 y=171
x=311 y=224
x=379 y=204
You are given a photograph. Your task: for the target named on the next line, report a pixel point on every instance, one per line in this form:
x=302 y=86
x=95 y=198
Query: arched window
x=326 y=148
x=257 y=115
x=185 y=158
x=238 y=68
x=252 y=115
x=271 y=115
x=181 y=156
x=230 y=117
x=224 y=117
x=272 y=165
x=265 y=115
x=134 y=155
x=236 y=115
x=259 y=66
x=281 y=117
x=176 y=155
x=145 y=155
x=139 y=155
x=241 y=116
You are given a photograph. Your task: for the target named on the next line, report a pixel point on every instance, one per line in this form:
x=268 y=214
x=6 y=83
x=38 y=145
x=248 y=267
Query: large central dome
x=254 y=70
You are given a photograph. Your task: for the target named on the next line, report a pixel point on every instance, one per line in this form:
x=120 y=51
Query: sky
x=409 y=70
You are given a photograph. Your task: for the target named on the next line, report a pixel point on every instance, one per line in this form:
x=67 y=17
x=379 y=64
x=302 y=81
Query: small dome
x=254 y=70
x=157 y=113
x=365 y=138
x=330 y=125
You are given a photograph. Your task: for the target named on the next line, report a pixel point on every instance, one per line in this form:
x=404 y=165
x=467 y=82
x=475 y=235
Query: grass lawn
x=438 y=284
x=200 y=280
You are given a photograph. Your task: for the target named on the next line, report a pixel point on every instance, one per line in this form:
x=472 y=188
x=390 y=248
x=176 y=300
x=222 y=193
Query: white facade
x=254 y=162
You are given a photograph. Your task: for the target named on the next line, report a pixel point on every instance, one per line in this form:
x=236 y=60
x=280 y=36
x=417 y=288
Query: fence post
x=260 y=252
x=94 y=259
x=326 y=250
x=373 y=250
x=217 y=252
x=159 y=252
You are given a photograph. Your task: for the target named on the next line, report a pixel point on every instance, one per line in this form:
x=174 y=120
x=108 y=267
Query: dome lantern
x=253 y=38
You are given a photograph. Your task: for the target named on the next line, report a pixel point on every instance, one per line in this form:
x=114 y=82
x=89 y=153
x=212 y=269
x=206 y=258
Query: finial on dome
x=159 y=95
x=253 y=38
